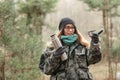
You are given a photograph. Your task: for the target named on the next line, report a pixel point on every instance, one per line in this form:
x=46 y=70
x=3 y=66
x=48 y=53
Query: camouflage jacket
x=75 y=67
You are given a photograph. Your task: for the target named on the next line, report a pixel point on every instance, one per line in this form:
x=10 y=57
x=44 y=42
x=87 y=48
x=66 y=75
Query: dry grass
x=99 y=71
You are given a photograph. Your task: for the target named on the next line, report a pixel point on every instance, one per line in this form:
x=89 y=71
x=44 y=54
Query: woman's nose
x=70 y=29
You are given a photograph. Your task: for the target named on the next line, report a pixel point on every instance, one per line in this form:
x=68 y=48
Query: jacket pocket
x=80 y=58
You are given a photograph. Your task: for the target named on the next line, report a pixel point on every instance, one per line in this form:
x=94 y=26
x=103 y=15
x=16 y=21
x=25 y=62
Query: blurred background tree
x=109 y=9
x=21 y=37
x=35 y=11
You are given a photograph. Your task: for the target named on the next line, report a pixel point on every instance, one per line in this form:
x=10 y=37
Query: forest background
x=26 y=26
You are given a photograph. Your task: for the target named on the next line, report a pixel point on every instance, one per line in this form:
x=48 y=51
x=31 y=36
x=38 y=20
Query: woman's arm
x=48 y=63
x=94 y=53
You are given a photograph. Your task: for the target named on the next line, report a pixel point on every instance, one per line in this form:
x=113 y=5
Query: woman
x=80 y=54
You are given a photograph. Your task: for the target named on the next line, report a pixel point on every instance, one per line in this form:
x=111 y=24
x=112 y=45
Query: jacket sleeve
x=48 y=63
x=94 y=53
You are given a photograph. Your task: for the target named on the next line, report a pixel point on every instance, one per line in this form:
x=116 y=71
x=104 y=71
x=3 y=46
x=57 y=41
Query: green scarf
x=69 y=40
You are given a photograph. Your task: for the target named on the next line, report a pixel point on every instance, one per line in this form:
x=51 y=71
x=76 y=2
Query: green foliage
x=114 y=3
x=103 y=5
x=6 y=9
x=37 y=6
x=25 y=48
x=36 y=9
x=22 y=45
x=6 y=20
x=94 y=3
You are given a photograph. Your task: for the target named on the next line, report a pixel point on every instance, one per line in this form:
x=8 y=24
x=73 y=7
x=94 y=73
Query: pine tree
x=21 y=37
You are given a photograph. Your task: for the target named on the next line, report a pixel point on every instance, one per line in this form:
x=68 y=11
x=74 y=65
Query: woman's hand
x=59 y=52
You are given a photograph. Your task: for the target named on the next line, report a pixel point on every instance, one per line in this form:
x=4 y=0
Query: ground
x=99 y=71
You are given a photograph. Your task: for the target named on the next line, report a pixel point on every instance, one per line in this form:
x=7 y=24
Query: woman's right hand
x=59 y=52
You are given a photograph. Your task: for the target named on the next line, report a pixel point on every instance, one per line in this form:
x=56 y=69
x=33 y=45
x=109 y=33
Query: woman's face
x=69 y=30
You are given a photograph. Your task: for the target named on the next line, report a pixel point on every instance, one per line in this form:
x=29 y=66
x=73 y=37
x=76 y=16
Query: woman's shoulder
x=49 y=49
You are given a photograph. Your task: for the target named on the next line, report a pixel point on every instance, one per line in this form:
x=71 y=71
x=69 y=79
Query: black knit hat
x=65 y=21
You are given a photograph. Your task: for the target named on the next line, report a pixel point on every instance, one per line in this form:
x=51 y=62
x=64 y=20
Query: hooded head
x=64 y=22
x=80 y=38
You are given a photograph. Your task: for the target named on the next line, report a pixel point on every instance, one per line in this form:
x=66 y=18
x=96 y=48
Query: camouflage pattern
x=75 y=67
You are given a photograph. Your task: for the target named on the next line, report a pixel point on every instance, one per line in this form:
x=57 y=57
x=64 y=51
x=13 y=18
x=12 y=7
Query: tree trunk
x=108 y=43
x=2 y=67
